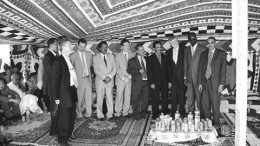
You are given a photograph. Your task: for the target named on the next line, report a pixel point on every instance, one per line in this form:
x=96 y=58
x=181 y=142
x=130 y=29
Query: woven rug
x=114 y=132
x=27 y=132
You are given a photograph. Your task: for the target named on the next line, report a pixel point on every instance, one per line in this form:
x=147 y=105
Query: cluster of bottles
x=188 y=124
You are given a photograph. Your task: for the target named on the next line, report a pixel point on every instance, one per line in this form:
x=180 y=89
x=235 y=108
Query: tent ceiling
x=34 y=21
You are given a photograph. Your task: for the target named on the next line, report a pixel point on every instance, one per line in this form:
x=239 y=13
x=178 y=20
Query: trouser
x=66 y=120
x=8 y=113
x=84 y=92
x=109 y=101
x=192 y=94
x=140 y=100
x=211 y=99
x=47 y=102
x=54 y=120
x=123 y=98
x=155 y=101
x=178 y=98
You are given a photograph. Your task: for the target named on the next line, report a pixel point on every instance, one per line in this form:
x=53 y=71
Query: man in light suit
x=137 y=67
x=64 y=84
x=191 y=69
x=212 y=79
x=123 y=80
x=105 y=69
x=82 y=61
x=48 y=61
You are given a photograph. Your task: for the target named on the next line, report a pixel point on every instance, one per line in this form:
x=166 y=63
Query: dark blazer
x=191 y=63
x=5 y=92
x=157 y=73
x=61 y=83
x=176 y=71
x=133 y=68
x=218 y=68
x=48 y=61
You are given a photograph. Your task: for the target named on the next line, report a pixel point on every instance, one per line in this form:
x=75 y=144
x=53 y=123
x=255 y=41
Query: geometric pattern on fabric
x=11 y=33
x=256 y=78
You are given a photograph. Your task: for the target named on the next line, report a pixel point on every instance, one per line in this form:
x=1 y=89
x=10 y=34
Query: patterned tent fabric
x=34 y=21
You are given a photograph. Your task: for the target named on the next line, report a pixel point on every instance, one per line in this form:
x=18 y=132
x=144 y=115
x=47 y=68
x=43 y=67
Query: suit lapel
x=157 y=59
x=137 y=62
x=196 y=50
x=102 y=60
x=179 y=55
x=123 y=57
x=63 y=61
x=212 y=63
x=79 y=58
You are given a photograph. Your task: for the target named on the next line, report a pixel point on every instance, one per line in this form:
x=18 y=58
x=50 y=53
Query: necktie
x=192 y=50
x=159 y=58
x=208 y=71
x=126 y=57
x=144 y=75
x=105 y=60
x=142 y=63
x=84 y=65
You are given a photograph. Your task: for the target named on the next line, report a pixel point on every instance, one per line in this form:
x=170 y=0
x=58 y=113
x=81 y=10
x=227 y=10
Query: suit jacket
x=61 y=83
x=77 y=64
x=48 y=61
x=192 y=63
x=101 y=70
x=176 y=71
x=134 y=67
x=157 y=73
x=121 y=66
x=218 y=68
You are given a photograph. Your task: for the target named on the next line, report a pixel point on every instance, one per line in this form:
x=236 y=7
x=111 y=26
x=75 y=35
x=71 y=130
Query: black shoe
x=101 y=119
x=53 y=134
x=63 y=143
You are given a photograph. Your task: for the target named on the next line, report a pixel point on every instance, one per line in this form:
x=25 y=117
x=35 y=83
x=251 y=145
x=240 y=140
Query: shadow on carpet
x=114 y=132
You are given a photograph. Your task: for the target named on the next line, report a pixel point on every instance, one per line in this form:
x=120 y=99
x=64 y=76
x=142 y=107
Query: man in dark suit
x=158 y=78
x=64 y=84
x=48 y=61
x=191 y=69
x=137 y=67
x=176 y=59
x=212 y=79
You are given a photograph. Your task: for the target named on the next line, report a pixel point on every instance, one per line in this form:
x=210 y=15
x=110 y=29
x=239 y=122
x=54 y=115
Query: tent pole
x=239 y=48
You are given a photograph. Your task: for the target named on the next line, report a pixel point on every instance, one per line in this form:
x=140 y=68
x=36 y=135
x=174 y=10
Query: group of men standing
x=68 y=80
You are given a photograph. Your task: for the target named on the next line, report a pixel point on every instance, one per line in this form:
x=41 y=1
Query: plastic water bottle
x=190 y=116
x=197 y=119
x=177 y=115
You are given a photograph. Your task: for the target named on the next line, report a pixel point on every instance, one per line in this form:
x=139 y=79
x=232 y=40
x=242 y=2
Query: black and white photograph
x=129 y=72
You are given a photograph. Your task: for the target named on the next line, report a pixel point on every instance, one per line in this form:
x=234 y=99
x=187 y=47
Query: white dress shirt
x=73 y=76
x=126 y=55
x=55 y=54
x=193 y=48
x=175 y=52
x=83 y=61
x=140 y=61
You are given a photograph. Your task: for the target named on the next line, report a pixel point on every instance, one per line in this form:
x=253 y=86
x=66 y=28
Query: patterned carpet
x=41 y=122
x=115 y=132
